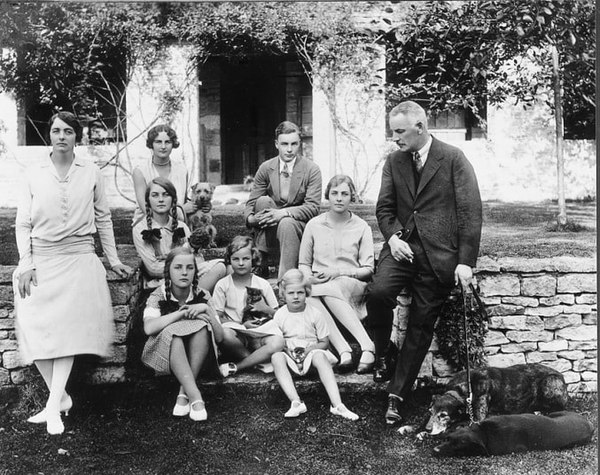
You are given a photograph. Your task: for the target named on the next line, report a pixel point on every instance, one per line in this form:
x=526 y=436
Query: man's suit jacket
x=445 y=208
x=304 y=197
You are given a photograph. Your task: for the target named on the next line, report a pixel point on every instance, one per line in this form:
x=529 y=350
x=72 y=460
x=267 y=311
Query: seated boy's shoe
x=381 y=372
x=392 y=415
x=296 y=408
x=266 y=368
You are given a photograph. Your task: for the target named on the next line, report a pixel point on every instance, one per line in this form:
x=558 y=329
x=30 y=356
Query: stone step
x=256 y=381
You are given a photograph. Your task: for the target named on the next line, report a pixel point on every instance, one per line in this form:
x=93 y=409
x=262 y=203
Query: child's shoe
x=181 y=410
x=198 y=414
x=297 y=408
x=228 y=369
x=344 y=412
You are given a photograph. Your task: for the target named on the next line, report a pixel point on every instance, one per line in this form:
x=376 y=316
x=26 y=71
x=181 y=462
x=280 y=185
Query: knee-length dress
x=324 y=247
x=69 y=312
x=157 y=350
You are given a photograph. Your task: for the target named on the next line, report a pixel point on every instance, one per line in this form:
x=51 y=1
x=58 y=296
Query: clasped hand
x=324 y=276
x=268 y=217
x=194 y=312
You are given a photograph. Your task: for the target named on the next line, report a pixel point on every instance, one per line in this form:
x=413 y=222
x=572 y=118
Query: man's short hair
x=412 y=110
x=286 y=127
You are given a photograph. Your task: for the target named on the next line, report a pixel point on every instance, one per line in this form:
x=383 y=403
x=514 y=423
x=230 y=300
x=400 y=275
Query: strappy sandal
x=363 y=367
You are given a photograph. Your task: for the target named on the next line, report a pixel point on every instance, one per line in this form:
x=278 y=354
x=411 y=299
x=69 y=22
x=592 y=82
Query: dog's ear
x=193 y=188
x=212 y=187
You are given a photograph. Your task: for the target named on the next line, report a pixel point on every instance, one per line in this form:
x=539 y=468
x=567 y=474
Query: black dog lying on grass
x=499 y=435
x=512 y=390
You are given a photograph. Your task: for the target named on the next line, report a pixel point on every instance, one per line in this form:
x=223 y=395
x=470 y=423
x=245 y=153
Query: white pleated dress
x=69 y=312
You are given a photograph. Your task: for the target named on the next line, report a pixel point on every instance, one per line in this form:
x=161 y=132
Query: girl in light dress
x=161 y=231
x=183 y=329
x=336 y=254
x=248 y=343
x=306 y=342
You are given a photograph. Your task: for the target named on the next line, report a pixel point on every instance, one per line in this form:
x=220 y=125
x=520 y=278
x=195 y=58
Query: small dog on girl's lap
x=202 y=194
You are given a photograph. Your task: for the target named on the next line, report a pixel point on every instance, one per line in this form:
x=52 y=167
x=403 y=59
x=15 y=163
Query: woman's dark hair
x=71 y=120
x=157 y=129
x=338 y=180
x=179 y=251
x=172 y=192
x=241 y=242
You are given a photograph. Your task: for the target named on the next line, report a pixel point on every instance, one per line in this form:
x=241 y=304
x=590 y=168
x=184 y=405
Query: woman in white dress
x=161 y=139
x=62 y=300
x=336 y=252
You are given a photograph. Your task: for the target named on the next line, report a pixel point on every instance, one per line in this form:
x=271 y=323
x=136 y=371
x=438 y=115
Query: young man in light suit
x=429 y=212
x=286 y=193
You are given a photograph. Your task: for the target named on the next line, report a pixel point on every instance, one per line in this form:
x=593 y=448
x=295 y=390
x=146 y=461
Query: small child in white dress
x=306 y=341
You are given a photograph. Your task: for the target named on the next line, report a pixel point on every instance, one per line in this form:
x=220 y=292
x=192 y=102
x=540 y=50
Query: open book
x=266 y=329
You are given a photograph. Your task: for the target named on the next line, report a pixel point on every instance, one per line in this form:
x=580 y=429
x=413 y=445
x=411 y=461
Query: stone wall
x=124 y=294
x=540 y=311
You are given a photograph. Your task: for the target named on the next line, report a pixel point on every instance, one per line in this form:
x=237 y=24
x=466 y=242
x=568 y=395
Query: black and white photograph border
x=512 y=84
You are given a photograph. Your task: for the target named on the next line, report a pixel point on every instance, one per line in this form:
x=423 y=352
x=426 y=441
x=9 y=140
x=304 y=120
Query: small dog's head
x=463 y=441
x=202 y=192
x=446 y=410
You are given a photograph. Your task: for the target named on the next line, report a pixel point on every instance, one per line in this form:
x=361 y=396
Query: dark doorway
x=252 y=104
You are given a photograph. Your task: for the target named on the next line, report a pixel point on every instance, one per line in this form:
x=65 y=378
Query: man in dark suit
x=286 y=193
x=429 y=212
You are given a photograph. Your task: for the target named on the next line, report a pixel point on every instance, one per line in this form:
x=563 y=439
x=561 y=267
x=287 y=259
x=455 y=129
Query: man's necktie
x=284 y=183
x=417 y=162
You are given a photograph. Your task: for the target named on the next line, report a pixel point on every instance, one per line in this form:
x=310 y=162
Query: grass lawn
x=129 y=429
x=509 y=229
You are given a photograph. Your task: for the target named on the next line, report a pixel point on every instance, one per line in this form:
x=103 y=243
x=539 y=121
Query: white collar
x=290 y=165
x=424 y=151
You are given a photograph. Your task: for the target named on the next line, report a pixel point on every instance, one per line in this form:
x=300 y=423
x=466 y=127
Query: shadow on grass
x=128 y=428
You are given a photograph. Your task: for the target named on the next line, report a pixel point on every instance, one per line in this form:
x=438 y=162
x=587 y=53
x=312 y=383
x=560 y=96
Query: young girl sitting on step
x=248 y=343
x=162 y=231
x=306 y=341
x=182 y=331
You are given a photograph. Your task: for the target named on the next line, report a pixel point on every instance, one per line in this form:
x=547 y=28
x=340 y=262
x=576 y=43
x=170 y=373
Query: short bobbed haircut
x=157 y=129
x=287 y=127
x=338 y=180
x=71 y=120
x=294 y=277
x=242 y=242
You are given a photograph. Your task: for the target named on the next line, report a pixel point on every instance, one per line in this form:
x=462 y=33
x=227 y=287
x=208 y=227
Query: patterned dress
x=158 y=347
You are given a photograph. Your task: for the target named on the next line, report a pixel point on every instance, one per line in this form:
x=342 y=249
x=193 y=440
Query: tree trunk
x=558 y=117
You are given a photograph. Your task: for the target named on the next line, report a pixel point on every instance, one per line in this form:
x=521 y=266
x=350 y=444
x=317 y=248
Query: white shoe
x=198 y=414
x=54 y=424
x=181 y=410
x=266 y=368
x=297 y=408
x=344 y=412
x=40 y=417
x=228 y=369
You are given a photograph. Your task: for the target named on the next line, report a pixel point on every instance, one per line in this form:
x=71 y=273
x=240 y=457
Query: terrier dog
x=512 y=390
x=499 y=435
x=202 y=219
